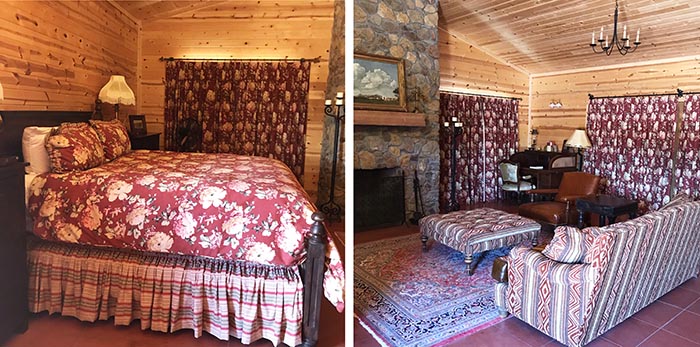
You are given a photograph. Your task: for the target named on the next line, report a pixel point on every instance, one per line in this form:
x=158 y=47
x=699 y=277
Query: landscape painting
x=379 y=83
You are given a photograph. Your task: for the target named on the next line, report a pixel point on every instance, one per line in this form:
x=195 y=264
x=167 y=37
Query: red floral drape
x=243 y=107
x=632 y=142
x=688 y=159
x=490 y=135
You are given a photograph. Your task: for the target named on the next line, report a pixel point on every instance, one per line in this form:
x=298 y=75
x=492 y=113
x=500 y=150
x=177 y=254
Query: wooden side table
x=606 y=206
x=149 y=141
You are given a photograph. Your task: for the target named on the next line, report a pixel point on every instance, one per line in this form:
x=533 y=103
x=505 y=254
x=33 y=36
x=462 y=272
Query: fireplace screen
x=379 y=198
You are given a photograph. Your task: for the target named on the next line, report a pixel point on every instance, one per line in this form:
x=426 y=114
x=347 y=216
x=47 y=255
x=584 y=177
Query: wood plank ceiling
x=241 y=9
x=159 y=9
x=549 y=36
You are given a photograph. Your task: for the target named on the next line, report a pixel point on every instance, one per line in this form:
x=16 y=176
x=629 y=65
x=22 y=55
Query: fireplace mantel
x=389 y=118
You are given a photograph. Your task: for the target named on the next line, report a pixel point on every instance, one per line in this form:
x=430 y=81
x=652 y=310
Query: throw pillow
x=569 y=245
x=74 y=147
x=114 y=138
x=680 y=198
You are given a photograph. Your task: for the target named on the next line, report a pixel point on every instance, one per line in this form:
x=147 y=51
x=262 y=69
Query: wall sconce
x=555 y=104
x=116 y=92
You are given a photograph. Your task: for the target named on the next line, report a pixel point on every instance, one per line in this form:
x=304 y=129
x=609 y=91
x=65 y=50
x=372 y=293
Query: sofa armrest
x=558 y=285
x=540 y=269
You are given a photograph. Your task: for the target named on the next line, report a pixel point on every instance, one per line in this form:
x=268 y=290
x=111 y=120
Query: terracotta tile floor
x=57 y=331
x=671 y=321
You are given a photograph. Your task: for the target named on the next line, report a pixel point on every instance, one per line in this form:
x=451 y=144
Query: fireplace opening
x=379 y=198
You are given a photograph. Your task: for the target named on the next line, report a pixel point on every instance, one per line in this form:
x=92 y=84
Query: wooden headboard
x=14 y=122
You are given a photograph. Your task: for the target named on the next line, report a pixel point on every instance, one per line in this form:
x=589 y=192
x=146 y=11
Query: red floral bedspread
x=212 y=205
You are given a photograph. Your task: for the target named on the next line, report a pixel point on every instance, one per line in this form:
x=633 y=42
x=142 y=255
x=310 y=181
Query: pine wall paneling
x=464 y=67
x=56 y=55
x=573 y=89
x=294 y=29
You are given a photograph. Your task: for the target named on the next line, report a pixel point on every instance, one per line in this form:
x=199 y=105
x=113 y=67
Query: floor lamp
x=455 y=128
x=579 y=140
x=331 y=208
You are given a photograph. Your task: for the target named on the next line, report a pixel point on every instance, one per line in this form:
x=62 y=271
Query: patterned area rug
x=406 y=297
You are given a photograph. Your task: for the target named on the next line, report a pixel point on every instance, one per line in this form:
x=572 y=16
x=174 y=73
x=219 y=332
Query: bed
x=225 y=244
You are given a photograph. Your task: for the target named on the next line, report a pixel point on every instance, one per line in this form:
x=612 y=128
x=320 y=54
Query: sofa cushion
x=569 y=245
x=680 y=198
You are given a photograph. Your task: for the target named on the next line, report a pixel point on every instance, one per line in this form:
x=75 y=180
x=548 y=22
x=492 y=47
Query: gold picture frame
x=379 y=83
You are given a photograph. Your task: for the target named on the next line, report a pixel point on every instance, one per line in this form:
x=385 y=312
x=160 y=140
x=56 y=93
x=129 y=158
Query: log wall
x=294 y=29
x=56 y=55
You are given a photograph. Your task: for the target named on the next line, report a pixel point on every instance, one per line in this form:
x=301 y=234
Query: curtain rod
x=483 y=95
x=678 y=92
x=313 y=60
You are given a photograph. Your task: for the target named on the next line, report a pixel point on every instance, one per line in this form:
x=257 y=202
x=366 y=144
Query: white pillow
x=34 y=150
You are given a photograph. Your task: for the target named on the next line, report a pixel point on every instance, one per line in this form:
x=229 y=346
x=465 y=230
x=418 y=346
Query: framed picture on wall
x=379 y=83
x=137 y=124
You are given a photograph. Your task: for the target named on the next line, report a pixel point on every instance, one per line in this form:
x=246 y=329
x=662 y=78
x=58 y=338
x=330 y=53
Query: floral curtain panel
x=248 y=108
x=688 y=160
x=490 y=135
x=632 y=146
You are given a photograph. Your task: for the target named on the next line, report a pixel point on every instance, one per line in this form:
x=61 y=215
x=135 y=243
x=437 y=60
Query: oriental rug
x=406 y=297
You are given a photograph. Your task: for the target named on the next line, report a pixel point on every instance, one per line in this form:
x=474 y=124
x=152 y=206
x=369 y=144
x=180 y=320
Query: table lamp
x=579 y=140
x=116 y=92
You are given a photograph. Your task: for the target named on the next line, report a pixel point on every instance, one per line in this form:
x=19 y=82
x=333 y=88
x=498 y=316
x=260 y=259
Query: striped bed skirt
x=167 y=292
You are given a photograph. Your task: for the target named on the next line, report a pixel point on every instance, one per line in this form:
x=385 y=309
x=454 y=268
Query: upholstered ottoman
x=477 y=231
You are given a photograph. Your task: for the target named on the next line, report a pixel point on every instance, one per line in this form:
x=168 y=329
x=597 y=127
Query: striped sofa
x=629 y=266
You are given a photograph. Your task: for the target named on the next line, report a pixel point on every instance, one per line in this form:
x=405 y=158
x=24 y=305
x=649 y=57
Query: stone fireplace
x=406 y=30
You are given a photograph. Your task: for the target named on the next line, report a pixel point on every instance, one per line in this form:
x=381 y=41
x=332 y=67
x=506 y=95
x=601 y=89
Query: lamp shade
x=578 y=139
x=116 y=91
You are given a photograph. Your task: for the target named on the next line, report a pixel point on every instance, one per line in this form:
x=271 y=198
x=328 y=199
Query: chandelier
x=607 y=47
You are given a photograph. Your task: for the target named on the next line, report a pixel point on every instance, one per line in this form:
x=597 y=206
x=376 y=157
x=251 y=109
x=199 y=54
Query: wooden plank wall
x=573 y=89
x=465 y=68
x=294 y=29
x=56 y=55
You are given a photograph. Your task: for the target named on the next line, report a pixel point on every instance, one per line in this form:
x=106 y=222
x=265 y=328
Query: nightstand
x=148 y=141
x=13 y=249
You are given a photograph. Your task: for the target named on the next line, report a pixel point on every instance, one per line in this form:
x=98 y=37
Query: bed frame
x=12 y=124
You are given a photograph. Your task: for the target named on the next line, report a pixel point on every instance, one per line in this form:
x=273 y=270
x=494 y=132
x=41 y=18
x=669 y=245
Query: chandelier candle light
x=622 y=47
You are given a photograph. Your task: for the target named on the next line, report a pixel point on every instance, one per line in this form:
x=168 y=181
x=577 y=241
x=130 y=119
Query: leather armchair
x=562 y=210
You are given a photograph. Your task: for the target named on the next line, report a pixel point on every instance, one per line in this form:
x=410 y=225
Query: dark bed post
x=313 y=279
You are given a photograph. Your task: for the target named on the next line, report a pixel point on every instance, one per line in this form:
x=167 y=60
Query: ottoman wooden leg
x=424 y=239
x=535 y=238
x=468 y=260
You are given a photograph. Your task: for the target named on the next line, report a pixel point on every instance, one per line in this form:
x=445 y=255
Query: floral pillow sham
x=74 y=147
x=114 y=138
